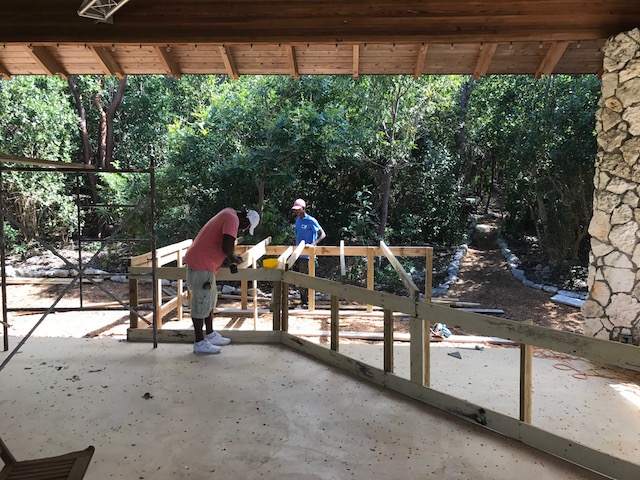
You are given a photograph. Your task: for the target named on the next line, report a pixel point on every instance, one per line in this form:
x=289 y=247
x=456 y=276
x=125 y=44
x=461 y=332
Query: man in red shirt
x=214 y=244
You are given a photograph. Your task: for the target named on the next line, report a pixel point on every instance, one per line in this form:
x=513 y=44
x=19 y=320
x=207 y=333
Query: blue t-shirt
x=306 y=229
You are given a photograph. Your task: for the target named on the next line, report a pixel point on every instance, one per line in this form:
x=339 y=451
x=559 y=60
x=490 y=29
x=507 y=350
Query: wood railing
x=370 y=252
x=164 y=256
x=422 y=314
x=287 y=256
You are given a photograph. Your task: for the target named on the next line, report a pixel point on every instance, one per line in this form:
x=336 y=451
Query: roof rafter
x=107 y=62
x=293 y=62
x=49 y=64
x=484 y=60
x=229 y=63
x=551 y=59
x=168 y=62
x=356 y=61
x=4 y=73
x=420 y=59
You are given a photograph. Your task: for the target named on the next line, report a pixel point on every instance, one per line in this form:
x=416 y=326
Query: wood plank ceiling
x=300 y=37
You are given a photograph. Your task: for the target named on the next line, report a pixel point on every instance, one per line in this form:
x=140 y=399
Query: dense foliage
x=381 y=157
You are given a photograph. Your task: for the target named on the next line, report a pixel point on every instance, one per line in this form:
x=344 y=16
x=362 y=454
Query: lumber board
x=482 y=310
x=45 y=281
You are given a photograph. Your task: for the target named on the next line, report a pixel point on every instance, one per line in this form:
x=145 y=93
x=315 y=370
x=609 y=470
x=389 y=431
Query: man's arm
x=228 y=247
x=321 y=236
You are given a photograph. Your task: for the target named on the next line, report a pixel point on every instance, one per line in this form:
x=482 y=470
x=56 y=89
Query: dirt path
x=485 y=278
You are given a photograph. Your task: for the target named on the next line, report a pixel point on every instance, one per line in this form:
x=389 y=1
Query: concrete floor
x=266 y=412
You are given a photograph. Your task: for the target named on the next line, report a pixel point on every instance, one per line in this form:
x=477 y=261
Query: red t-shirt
x=205 y=253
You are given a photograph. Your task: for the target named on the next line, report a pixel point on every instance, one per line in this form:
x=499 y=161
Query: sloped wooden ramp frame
x=423 y=313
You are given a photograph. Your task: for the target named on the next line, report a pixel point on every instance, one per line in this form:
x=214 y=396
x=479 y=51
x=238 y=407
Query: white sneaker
x=214 y=338
x=203 y=347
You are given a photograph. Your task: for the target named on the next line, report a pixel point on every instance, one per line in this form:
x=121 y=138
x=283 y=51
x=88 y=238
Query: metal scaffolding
x=23 y=164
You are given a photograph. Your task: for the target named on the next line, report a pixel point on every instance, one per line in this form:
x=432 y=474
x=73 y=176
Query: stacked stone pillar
x=612 y=309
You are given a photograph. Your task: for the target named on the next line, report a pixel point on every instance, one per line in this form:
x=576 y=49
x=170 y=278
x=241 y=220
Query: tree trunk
x=465 y=94
x=111 y=112
x=102 y=131
x=84 y=135
x=491 y=183
x=386 y=195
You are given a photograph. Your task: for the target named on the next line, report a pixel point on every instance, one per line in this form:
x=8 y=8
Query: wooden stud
x=526 y=364
x=335 y=323
x=428 y=274
x=484 y=60
x=276 y=306
x=343 y=264
x=284 y=320
x=255 y=299
x=388 y=340
x=244 y=293
x=134 y=293
x=370 y=273
x=419 y=351
x=180 y=285
x=312 y=273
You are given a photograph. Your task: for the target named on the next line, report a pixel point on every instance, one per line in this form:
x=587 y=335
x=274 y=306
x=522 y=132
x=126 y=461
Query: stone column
x=612 y=309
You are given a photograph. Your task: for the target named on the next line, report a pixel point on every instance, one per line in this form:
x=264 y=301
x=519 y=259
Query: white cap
x=254 y=220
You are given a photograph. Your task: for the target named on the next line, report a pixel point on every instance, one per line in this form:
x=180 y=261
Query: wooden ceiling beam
x=229 y=63
x=168 y=63
x=551 y=59
x=321 y=21
x=356 y=61
x=420 y=59
x=484 y=60
x=108 y=64
x=293 y=62
x=44 y=59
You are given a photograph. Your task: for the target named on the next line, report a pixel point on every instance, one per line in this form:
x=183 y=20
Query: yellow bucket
x=270 y=263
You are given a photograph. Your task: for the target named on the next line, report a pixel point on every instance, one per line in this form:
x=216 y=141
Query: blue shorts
x=203 y=293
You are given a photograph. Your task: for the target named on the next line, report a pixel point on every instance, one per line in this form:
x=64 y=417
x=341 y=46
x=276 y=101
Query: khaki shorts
x=203 y=300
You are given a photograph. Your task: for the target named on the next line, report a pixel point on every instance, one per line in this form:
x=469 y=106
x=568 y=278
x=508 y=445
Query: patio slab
x=252 y=412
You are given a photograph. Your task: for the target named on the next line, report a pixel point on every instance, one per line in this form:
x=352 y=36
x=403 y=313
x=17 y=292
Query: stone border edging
x=574 y=299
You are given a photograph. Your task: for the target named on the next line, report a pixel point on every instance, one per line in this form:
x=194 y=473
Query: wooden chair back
x=70 y=466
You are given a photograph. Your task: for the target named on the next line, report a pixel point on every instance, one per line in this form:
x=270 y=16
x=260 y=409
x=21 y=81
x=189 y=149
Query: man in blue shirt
x=308 y=230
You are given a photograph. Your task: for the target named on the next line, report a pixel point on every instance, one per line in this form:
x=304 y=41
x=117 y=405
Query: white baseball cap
x=254 y=220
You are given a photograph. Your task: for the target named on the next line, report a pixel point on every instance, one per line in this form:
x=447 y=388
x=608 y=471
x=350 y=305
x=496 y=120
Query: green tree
x=538 y=136
x=36 y=121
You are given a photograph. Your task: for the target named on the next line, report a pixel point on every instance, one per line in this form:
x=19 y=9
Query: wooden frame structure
x=422 y=314
x=175 y=253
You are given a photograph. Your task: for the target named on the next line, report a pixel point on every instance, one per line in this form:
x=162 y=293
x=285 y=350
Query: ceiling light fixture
x=100 y=10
